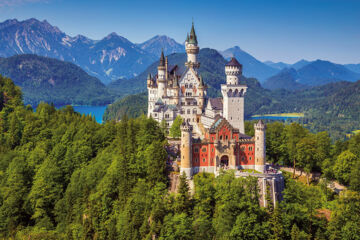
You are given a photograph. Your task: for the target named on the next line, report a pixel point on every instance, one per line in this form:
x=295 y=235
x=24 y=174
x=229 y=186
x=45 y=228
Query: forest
x=64 y=176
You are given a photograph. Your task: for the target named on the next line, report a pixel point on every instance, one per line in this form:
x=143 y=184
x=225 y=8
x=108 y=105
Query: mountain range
x=314 y=73
x=114 y=57
x=110 y=58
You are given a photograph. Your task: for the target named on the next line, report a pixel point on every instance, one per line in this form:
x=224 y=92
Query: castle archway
x=224 y=161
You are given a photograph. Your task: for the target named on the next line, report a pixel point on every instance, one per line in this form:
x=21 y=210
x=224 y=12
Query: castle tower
x=233 y=71
x=161 y=76
x=149 y=80
x=260 y=148
x=192 y=49
x=202 y=89
x=233 y=95
x=186 y=149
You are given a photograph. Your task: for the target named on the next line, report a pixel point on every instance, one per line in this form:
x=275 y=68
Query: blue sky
x=282 y=30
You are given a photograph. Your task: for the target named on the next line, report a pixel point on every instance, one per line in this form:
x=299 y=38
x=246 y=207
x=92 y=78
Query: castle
x=212 y=134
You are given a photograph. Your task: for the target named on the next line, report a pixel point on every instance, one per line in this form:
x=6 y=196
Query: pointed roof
x=162 y=58
x=193 y=38
x=233 y=62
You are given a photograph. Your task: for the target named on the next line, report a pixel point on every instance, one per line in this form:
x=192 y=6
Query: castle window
x=257 y=138
x=204 y=160
x=221 y=137
x=196 y=150
x=166 y=115
x=194 y=111
x=167 y=124
x=186 y=86
x=250 y=158
x=203 y=149
x=196 y=160
x=182 y=103
x=226 y=137
x=212 y=150
x=188 y=111
x=242 y=148
x=212 y=138
x=243 y=158
x=250 y=148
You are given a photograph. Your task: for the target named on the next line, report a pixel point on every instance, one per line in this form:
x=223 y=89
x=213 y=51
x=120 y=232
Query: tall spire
x=162 y=58
x=193 y=38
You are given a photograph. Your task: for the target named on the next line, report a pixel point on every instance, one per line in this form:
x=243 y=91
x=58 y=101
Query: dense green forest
x=64 y=176
x=132 y=106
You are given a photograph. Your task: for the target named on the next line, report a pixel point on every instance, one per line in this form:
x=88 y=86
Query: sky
x=276 y=30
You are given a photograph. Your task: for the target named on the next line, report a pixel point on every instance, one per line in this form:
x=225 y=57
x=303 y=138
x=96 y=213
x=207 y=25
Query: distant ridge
x=315 y=73
x=161 y=42
x=110 y=58
x=251 y=66
x=53 y=81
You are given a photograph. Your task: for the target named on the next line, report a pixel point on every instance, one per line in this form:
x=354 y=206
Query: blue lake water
x=97 y=111
x=276 y=118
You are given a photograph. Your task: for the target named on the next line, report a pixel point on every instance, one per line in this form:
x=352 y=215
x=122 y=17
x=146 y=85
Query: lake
x=97 y=111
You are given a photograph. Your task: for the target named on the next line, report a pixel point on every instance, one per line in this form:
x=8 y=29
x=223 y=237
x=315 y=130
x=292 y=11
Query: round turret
x=192 y=49
x=161 y=76
x=260 y=147
x=186 y=149
x=233 y=71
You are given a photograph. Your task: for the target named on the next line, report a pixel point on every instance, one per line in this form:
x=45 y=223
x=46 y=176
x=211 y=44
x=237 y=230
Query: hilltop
x=53 y=81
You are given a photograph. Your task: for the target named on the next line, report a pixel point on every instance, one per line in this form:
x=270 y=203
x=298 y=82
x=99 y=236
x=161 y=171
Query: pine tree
x=183 y=202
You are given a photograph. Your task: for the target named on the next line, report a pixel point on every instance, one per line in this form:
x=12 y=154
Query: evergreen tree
x=175 y=131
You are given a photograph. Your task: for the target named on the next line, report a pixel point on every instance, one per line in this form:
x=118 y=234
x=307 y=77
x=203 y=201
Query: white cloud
x=14 y=3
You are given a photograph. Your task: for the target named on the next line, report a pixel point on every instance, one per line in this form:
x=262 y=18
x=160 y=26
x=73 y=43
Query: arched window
x=188 y=111
x=194 y=111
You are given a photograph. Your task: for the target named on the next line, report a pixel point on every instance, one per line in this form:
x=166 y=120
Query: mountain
x=353 y=67
x=155 y=44
x=321 y=72
x=315 y=73
x=285 y=79
x=110 y=58
x=277 y=65
x=300 y=64
x=251 y=66
x=53 y=81
x=116 y=57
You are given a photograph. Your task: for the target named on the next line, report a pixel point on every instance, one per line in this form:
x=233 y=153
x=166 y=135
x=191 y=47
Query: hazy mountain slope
x=300 y=64
x=51 y=80
x=353 y=67
x=277 y=65
x=286 y=79
x=159 y=42
x=251 y=66
x=321 y=72
x=312 y=74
